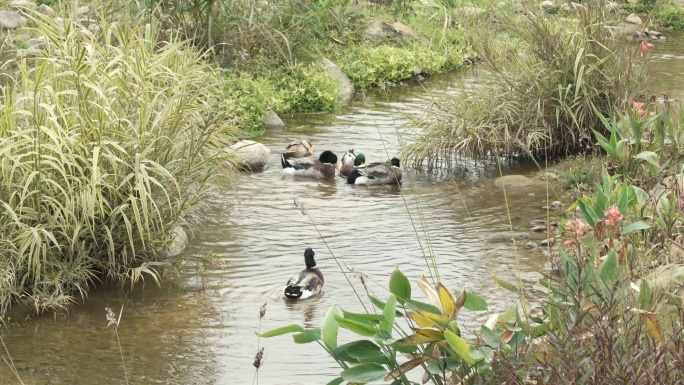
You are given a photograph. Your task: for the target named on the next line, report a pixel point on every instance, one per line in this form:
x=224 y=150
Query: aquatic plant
x=108 y=141
x=544 y=78
x=113 y=320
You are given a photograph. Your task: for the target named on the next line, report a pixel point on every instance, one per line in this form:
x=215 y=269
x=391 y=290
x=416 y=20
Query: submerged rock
x=253 y=155
x=506 y=236
x=179 y=241
x=516 y=181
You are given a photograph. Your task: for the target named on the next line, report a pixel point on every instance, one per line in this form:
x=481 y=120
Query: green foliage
x=368 y=66
x=545 y=74
x=107 y=142
x=435 y=343
x=670 y=15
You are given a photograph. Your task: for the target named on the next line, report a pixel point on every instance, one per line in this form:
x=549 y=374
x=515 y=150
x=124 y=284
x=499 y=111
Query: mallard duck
x=307 y=282
x=376 y=173
x=300 y=148
x=349 y=161
x=322 y=167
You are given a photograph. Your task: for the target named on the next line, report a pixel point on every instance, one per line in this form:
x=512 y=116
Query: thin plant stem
x=123 y=362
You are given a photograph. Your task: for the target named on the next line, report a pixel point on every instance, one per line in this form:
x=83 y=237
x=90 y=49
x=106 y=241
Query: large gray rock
x=516 y=181
x=21 y=4
x=252 y=155
x=11 y=20
x=346 y=92
x=667 y=278
x=632 y=18
x=46 y=10
x=273 y=121
x=378 y=30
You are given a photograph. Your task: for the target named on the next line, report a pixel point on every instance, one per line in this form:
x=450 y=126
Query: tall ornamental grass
x=108 y=140
x=544 y=76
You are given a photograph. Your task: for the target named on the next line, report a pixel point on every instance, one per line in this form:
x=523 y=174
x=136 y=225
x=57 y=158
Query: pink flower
x=613 y=216
x=637 y=108
x=646 y=47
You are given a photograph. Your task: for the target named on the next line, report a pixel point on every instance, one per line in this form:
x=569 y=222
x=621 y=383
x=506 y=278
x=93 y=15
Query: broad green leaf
x=607 y=269
x=381 y=305
x=460 y=346
x=505 y=285
x=310 y=335
x=490 y=338
x=638 y=225
x=453 y=326
x=423 y=306
x=357 y=327
x=586 y=214
x=346 y=351
x=400 y=286
x=384 y=338
x=336 y=381
x=474 y=302
x=368 y=372
x=439 y=366
x=388 y=313
x=280 y=331
x=641 y=195
x=644 y=296
x=330 y=328
x=650 y=157
x=366 y=318
x=371 y=355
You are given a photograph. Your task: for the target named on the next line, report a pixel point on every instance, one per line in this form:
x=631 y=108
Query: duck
x=349 y=161
x=307 y=282
x=299 y=148
x=376 y=173
x=322 y=167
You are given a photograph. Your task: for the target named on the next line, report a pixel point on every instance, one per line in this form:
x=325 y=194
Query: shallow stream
x=198 y=328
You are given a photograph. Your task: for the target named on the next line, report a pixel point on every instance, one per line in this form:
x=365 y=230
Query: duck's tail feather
x=284 y=162
x=292 y=291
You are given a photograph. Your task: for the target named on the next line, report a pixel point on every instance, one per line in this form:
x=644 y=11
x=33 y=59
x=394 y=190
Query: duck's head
x=328 y=156
x=395 y=162
x=309 y=258
x=360 y=160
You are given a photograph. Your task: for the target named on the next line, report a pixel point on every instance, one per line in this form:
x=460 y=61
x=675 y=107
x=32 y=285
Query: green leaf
x=490 y=338
x=585 y=212
x=607 y=269
x=310 y=335
x=424 y=306
x=400 y=286
x=336 y=381
x=364 y=373
x=388 y=312
x=638 y=225
x=505 y=285
x=474 y=302
x=384 y=338
x=330 y=328
x=359 y=328
x=644 y=295
x=280 y=331
x=346 y=351
x=366 y=318
x=381 y=305
x=650 y=157
x=641 y=195
x=363 y=356
x=460 y=346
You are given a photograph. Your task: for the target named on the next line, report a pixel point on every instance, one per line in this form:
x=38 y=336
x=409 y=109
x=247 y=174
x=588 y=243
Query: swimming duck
x=300 y=148
x=307 y=282
x=322 y=167
x=349 y=161
x=376 y=173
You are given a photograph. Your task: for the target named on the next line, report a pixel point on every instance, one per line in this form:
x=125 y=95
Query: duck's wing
x=299 y=149
x=302 y=163
x=376 y=170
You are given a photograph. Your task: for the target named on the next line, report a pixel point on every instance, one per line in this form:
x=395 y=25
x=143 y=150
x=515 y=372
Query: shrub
x=107 y=142
x=544 y=75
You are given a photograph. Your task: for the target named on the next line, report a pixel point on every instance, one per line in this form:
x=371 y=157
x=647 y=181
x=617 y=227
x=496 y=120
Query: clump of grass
x=545 y=75
x=108 y=141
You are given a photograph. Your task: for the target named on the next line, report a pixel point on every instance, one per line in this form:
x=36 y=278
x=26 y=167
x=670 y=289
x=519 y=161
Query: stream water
x=198 y=328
